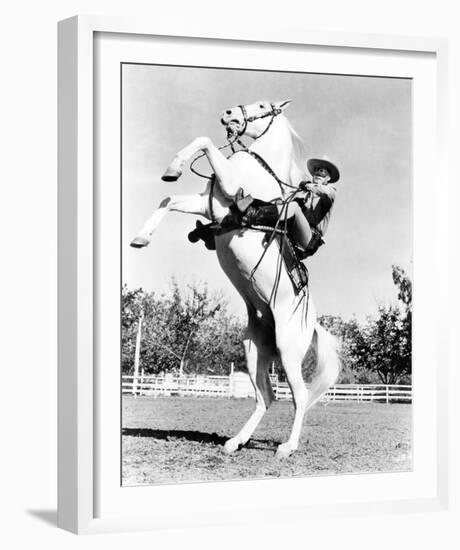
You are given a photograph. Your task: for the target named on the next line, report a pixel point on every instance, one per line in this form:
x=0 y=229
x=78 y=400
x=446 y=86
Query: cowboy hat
x=313 y=164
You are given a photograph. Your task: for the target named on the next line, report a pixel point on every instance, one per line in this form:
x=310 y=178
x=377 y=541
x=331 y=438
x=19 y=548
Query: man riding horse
x=281 y=317
x=308 y=213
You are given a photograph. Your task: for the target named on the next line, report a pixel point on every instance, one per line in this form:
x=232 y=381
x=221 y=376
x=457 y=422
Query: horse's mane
x=297 y=172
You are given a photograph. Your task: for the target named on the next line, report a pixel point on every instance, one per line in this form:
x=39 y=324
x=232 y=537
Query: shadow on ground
x=46 y=516
x=200 y=437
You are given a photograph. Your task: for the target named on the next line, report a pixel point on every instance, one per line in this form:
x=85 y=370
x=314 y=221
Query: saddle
x=247 y=212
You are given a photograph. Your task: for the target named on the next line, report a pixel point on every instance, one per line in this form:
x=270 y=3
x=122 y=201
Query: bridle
x=233 y=136
x=273 y=113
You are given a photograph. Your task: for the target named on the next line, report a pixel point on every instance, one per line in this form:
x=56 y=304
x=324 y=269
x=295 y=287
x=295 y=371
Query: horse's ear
x=283 y=104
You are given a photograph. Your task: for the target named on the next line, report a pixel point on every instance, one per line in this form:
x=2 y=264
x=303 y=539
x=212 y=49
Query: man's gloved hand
x=310 y=186
x=307 y=186
x=249 y=217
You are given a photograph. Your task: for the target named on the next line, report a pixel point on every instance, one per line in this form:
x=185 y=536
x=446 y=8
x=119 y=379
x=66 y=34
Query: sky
x=362 y=124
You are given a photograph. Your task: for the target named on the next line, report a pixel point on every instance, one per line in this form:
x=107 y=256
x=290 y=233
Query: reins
x=273 y=113
x=273 y=231
x=268 y=168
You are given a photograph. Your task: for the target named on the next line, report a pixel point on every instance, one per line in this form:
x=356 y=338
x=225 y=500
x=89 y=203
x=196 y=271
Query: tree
x=218 y=343
x=404 y=285
x=188 y=311
x=187 y=329
x=382 y=345
x=379 y=349
x=355 y=369
x=386 y=346
x=402 y=281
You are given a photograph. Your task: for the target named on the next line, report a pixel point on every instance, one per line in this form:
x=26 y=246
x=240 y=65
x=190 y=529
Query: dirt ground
x=179 y=439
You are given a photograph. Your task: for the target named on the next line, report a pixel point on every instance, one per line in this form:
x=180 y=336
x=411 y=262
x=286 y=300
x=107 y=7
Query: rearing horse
x=282 y=323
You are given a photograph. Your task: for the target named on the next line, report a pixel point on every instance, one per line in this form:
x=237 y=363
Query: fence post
x=387 y=394
x=137 y=352
x=230 y=379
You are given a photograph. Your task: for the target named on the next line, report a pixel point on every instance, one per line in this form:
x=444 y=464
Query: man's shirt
x=317 y=205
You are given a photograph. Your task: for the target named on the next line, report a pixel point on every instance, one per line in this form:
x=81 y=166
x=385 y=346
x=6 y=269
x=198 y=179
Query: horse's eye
x=261 y=106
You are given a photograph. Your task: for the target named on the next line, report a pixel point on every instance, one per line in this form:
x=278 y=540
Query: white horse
x=282 y=323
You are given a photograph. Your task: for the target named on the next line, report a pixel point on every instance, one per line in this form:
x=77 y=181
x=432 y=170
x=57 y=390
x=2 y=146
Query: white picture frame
x=79 y=507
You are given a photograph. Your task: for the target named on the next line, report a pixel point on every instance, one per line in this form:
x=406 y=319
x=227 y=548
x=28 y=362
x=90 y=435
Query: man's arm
x=322 y=190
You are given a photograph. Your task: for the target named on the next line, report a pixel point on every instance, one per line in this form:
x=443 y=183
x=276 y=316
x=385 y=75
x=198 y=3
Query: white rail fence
x=239 y=385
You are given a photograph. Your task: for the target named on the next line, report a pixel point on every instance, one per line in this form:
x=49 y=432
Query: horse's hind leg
x=259 y=354
x=190 y=204
x=326 y=373
x=292 y=363
x=293 y=343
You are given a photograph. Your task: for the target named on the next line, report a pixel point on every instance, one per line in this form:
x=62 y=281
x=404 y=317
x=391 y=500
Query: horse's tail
x=328 y=364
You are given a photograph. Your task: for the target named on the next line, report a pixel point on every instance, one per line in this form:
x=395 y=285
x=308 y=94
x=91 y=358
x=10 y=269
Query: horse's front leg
x=189 y=204
x=221 y=167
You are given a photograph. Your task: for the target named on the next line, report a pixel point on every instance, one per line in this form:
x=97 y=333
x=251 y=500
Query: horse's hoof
x=231 y=446
x=139 y=242
x=171 y=175
x=284 y=451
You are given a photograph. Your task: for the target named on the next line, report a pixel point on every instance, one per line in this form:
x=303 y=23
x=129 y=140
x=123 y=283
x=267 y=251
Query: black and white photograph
x=231 y=275
x=266 y=296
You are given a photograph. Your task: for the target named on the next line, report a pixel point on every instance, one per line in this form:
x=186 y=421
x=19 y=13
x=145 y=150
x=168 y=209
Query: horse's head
x=252 y=120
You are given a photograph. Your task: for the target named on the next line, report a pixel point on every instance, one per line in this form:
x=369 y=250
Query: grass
x=179 y=439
